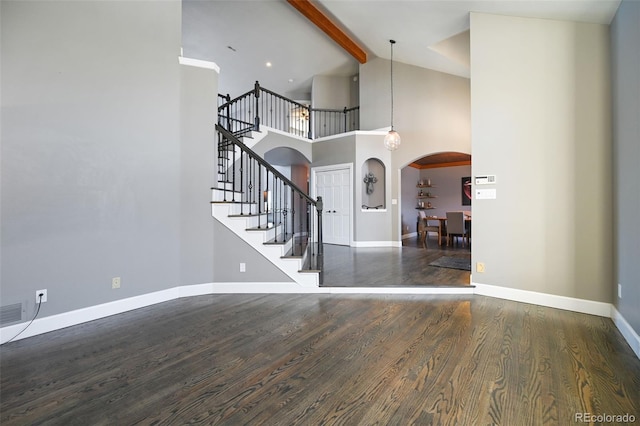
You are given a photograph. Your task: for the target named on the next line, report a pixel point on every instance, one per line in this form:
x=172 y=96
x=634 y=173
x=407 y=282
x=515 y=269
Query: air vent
x=10 y=313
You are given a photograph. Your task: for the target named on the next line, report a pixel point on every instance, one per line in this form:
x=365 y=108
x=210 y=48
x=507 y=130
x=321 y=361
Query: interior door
x=334 y=188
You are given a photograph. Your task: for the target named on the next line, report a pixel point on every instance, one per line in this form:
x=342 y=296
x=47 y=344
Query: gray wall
x=625 y=38
x=198 y=96
x=409 y=179
x=541 y=123
x=274 y=140
x=93 y=173
x=230 y=250
x=447 y=186
x=334 y=151
x=332 y=92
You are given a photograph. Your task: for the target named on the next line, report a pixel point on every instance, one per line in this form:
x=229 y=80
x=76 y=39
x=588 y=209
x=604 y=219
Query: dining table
x=442 y=225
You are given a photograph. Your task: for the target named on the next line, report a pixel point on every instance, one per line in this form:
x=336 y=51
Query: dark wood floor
x=323 y=359
x=385 y=267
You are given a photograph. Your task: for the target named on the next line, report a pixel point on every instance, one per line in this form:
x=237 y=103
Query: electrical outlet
x=619 y=291
x=44 y=296
x=115 y=282
x=243 y=267
x=480 y=266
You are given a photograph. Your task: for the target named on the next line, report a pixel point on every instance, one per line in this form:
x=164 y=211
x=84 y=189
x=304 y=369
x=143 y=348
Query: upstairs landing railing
x=274 y=200
x=262 y=106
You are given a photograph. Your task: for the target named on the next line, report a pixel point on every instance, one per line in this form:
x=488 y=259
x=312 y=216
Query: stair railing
x=262 y=106
x=329 y=122
x=273 y=199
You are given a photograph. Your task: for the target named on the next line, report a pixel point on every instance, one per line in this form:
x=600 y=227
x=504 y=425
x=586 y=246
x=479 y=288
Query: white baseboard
x=79 y=316
x=543 y=299
x=626 y=330
x=377 y=244
x=399 y=290
x=257 y=288
x=409 y=235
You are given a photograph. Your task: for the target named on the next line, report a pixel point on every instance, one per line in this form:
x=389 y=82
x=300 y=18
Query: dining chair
x=425 y=228
x=456 y=227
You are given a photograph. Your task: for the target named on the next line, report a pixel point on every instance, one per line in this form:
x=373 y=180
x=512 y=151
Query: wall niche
x=373 y=185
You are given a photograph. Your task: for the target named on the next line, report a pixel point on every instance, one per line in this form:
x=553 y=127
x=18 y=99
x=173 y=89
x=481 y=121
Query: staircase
x=268 y=211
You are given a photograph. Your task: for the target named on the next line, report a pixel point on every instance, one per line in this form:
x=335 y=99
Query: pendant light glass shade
x=392 y=139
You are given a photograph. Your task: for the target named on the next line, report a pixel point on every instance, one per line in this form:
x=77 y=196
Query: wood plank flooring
x=392 y=266
x=323 y=359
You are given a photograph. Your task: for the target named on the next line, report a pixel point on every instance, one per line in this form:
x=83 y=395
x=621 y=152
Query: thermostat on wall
x=485 y=180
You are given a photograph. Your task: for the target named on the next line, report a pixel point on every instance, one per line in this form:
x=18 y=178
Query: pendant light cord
x=392 y=43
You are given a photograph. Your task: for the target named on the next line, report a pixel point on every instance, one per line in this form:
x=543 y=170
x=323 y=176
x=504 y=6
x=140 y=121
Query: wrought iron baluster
x=240 y=177
x=276 y=219
x=284 y=211
x=261 y=194
x=293 y=222
x=267 y=203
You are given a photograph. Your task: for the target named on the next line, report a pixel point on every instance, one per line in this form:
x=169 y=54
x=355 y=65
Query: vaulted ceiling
x=272 y=42
x=241 y=36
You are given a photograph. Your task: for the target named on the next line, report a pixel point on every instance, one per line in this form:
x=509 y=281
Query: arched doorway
x=431 y=186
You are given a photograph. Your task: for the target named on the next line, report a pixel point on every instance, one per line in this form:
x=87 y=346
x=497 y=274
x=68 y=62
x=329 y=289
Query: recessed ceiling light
x=268 y=64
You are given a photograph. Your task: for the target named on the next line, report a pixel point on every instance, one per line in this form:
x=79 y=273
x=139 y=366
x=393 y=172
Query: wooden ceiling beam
x=315 y=15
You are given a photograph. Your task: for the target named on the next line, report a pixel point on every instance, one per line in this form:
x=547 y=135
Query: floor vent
x=10 y=313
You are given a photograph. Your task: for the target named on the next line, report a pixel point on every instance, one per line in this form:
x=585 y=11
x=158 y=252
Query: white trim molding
x=626 y=330
x=91 y=313
x=543 y=299
x=377 y=244
x=198 y=63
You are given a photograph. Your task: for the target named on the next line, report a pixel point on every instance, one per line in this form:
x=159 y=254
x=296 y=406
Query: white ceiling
x=429 y=34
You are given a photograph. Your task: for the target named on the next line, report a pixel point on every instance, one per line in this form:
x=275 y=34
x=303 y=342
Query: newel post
x=319 y=207
x=227 y=99
x=344 y=115
x=320 y=256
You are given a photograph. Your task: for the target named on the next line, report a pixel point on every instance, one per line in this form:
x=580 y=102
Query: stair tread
x=228 y=190
x=281 y=240
x=248 y=214
x=232 y=202
x=263 y=227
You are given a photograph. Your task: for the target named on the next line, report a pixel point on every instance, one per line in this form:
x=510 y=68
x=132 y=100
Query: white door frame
x=333 y=167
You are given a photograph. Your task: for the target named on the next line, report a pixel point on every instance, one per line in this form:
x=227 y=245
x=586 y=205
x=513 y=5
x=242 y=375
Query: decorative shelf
x=425 y=208
x=426 y=196
x=425 y=186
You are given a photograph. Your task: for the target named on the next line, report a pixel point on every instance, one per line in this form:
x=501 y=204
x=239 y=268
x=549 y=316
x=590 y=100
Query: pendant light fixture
x=392 y=139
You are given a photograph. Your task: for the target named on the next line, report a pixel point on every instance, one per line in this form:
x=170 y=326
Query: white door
x=334 y=188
